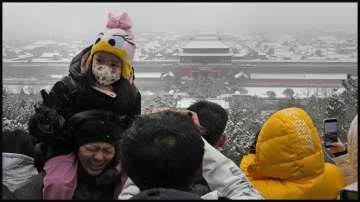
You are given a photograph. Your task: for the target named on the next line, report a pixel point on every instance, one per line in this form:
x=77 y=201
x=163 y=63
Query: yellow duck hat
x=118 y=43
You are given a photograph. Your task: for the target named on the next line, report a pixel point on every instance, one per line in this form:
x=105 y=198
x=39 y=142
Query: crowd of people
x=88 y=139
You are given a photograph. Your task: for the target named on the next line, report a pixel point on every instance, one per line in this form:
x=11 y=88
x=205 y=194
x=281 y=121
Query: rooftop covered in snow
x=204 y=45
x=205 y=54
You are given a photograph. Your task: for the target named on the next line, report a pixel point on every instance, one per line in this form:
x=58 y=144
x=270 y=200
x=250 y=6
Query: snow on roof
x=138 y=57
x=147 y=75
x=205 y=54
x=47 y=54
x=56 y=76
x=205 y=44
x=62 y=60
x=316 y=58
x=169 y=73
x=297 y=76
x=45 y=42
x=241 y=74
x=206 y=38
x=226 y=95
x=206 y=33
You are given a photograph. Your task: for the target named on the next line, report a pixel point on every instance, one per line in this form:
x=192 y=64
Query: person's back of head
x=212 y=117
x=18 y=141
x=17 y=160
x=163 y=150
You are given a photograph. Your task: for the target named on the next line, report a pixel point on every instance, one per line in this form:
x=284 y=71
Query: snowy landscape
x=165 y=46
x=257 y=73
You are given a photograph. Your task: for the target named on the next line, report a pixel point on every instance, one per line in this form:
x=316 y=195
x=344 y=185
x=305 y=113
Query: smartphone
x=350 y=192
x=330 y=131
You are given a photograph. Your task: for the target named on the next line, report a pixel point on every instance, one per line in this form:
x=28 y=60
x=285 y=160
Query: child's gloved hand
x=46 y=113
x=46 y=118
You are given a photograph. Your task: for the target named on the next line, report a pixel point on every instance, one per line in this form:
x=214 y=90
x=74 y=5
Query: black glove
x=63 y=94
x=46 y=122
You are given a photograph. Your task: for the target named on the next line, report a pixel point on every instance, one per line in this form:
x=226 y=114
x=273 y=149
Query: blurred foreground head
x=18 y=141
x=163 y=150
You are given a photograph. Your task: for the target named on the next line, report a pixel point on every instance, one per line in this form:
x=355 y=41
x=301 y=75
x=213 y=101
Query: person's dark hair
x=212 y=117
x=165 y=194
x=97 y=126
x=163 y=150
x=18 y=141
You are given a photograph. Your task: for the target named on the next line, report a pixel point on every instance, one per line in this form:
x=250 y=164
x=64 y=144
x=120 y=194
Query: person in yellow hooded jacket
x=288 y=162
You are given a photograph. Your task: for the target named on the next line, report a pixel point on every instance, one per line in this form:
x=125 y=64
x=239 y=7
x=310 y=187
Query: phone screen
x=348 y=195
x=330 y=131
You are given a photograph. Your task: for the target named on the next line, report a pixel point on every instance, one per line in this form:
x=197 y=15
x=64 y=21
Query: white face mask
x=104 y=75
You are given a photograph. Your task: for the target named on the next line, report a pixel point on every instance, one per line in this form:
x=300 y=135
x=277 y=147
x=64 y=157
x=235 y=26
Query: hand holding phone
x=337 y=148
x=330 y=131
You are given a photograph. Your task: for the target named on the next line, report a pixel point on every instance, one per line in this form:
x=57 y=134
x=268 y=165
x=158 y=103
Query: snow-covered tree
x=316 y=108
x=289 y=92
x=271 y=94
x=343 y=106
x=244 y=122
x=17 y=109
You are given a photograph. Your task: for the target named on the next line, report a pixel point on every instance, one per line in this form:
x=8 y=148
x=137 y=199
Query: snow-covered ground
x=27 y=88
x=299 y=92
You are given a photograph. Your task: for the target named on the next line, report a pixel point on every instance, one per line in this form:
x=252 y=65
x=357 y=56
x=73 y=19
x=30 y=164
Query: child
x=100 y=77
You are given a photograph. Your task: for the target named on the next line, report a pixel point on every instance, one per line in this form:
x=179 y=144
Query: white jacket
x=222 y=175
x=348 y=162
x=17 y=169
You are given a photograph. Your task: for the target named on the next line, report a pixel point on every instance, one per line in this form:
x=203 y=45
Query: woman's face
x=94 y=157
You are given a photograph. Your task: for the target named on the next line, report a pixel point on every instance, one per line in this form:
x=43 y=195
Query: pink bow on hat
x=122 y=22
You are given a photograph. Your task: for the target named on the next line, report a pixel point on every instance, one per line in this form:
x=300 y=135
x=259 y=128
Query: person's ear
x=85 y=62
x=222 y=140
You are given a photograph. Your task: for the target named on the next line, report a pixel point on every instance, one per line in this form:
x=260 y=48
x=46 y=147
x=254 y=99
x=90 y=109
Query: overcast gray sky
x=85 y=19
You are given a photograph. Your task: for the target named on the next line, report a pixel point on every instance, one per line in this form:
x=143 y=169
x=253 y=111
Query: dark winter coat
x=6 y=193
x=165 y=194
x=75 y=94
x=72 y=94
x=200 y=186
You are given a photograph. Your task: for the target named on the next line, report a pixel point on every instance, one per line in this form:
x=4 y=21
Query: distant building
x=204 y=56
x=205 y=49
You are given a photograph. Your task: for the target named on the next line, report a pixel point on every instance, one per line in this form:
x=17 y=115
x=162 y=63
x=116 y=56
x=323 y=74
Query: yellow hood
x=289 y=161
x=288 y=147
